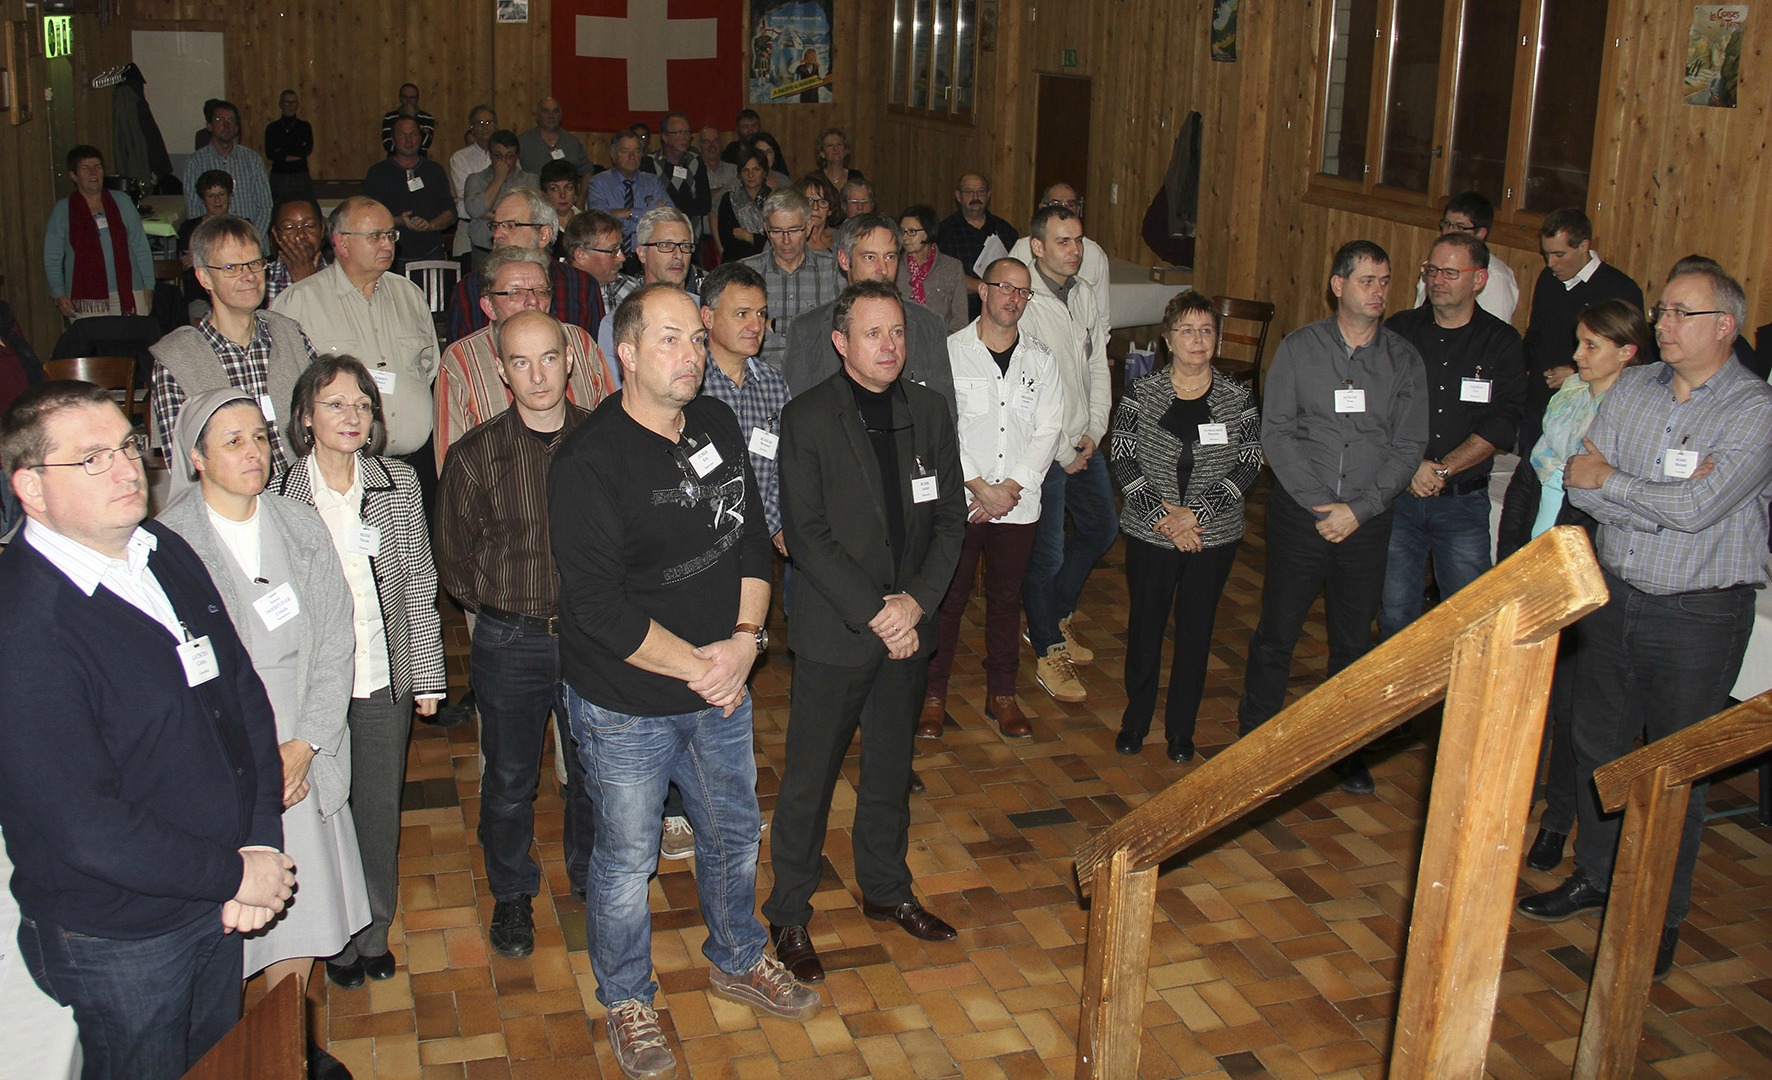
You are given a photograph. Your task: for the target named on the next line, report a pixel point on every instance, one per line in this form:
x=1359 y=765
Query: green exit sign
x=1067 y=58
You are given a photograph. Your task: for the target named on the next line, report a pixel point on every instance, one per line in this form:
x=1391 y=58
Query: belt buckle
x=553 y=626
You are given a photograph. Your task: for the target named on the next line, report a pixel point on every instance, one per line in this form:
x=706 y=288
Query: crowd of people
x=667 y=385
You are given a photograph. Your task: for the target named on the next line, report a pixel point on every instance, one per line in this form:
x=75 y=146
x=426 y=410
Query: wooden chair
x=113 y=373
x=437 y=277
x=1251 y=311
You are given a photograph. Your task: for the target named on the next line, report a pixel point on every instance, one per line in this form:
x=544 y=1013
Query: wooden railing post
x=1648 y=847
x=1464 y=892
x=1116 y=970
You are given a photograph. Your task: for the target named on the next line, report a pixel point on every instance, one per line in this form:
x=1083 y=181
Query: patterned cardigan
x=1142 y=455
x=405 y=575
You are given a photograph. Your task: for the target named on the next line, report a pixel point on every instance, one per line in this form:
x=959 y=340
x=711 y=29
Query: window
x=933 y=61
x=1424 y=98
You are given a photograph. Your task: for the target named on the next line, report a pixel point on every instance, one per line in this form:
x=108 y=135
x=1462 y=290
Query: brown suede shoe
x=933 y=718
x=1007 y=713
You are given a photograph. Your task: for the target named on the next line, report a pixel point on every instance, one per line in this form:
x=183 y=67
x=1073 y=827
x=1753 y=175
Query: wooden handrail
x=1554 y=581
x=1728 y=738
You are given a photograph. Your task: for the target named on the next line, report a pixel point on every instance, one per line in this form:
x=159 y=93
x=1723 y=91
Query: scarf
x=90 y=282
x=749 y=211
x=1566 y=419
x=920 y=274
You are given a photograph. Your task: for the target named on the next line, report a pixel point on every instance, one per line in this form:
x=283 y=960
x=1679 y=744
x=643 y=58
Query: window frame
x=1368 y=195
x=961 y=25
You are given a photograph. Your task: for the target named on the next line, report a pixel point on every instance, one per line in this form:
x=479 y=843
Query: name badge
x=1679 y=464
x=1476 y=390
x=763 y=443
x=557 y=154
x=1214 y=435
x=1350 y=401
x=198 y=657
x=924 y=489
x=1023 y=403
x=277 y=606
x=384 y=379
x=706 y=460
x=365 y=540
x=270 y=410
x=679 y=173
x=415 y=183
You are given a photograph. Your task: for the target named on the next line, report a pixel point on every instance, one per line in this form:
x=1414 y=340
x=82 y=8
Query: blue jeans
x=516 y=673
x=1453 y=529
x=1655 y=665
x=1057 y=570
x=628 y=762
x=147 y=1009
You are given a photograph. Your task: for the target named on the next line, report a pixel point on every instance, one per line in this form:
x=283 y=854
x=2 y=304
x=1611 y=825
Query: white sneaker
x=678 y=841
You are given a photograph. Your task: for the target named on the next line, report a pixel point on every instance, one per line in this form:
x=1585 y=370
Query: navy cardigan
x=125 y=795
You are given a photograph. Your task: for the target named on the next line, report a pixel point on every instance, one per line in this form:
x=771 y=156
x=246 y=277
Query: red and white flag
x=621 y=62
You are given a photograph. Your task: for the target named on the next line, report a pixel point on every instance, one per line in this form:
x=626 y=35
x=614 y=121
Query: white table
x=1133 y=298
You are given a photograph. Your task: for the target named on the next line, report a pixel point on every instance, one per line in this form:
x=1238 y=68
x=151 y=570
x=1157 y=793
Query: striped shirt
x=469 y=391
x=1143 y=454
x=1666 y=535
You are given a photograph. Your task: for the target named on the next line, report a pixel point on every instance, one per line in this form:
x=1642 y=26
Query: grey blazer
x=328 y=641
x=944 y=290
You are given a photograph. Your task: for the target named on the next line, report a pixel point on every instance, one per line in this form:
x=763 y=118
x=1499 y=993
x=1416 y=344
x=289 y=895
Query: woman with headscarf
x=286 y=594
x=376 y=527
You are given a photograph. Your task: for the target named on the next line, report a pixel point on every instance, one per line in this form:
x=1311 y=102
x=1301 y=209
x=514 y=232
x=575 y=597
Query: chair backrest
x=113 y=373
x=1255 y=340
x=437 y=277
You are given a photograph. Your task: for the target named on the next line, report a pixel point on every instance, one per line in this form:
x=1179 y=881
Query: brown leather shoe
x=793 y=947
x=1007 y=713
x=913 y=917
x=933 y=718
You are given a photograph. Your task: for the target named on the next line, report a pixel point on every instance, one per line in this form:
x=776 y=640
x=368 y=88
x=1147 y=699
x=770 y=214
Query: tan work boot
x=1080 y=653
x=1058 y=675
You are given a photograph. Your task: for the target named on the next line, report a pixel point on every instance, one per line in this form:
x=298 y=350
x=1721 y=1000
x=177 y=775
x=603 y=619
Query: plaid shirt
x=815 y=282
x=246 y=367
x=758 y=404
x=577 y=300
x=1666 y=535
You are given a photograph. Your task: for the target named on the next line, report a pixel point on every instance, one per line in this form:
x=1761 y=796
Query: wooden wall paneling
x=519 y=74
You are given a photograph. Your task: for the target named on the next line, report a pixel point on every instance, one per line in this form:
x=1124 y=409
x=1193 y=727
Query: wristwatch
x=1442 y=472
x=761 y=634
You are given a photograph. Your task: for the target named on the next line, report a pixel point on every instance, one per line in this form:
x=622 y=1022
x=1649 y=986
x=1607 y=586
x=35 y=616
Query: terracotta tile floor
x=1276 y=950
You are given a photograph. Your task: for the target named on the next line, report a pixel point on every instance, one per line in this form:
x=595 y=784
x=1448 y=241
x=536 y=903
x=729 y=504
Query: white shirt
x=1586 y=272
x=129 y=578
x=464 y=163
x=1499 y=297
x=241 y=539
x=1092 y=275
x=1010 y=421
x=343 y=514
x=1081 y=352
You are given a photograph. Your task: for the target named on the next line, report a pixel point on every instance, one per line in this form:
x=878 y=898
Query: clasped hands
x=896 y=625
x=991 y=501
x=1181 y=527
x=267 y=881
x=722 y=682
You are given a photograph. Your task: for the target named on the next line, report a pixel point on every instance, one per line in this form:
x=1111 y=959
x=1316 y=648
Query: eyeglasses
x=392 y=236
x=234 y=270
x=1447 y=225
x=299 y=226
x=99 y=462
x=612 y=252
x=485 y=123
x=1430 y=272
x=858 y=202
x=497 y=225
x=1074 y=205
x=777 y=234
x=1187 y=333
x=1011 y=290
x=912 y=230
x=819 y=204
x=540 y=292
x=1663 y=313
x=337 y=408
x=668 y=246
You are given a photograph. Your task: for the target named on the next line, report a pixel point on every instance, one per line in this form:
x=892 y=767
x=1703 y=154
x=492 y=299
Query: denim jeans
x=516 y=673
x=1057 y=570
x=1453 y=529
x=147 y=1009
x=628 y=761
x=1652 y=665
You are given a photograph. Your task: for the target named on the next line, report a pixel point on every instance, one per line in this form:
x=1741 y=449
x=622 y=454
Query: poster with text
x=1713 y=55
x=790 y=52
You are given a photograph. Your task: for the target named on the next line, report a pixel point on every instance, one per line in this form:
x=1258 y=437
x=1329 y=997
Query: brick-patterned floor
x=1276 y=951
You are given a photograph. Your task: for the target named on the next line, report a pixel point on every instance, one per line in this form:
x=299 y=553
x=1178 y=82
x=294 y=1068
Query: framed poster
x=790 y=52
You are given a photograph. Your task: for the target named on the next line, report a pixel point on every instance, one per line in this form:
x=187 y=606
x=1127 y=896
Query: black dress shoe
x=1547 y=850
x=1127 y=743
x=1181 y=749
x=345 y=976
x=793 y=947
x=916 y=921
x=1664 y=956
x=454 y=715
x=379 y=968
x=1563 y=902
x=1356 y=778
x=513 y=928
x=917 y=787
x=323 y=1066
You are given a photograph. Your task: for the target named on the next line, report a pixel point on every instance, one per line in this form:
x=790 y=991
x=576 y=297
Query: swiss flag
x=621 y=62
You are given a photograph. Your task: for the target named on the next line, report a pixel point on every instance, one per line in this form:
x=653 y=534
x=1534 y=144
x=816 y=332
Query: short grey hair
x=541 y=211
x=215 y=232
x=785 y=200
x=1725 y=290
x=854 y=228
x=505 y=256
x=649 y=221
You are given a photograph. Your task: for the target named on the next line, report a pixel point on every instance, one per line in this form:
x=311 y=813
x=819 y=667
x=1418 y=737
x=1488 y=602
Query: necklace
x=1191 y=389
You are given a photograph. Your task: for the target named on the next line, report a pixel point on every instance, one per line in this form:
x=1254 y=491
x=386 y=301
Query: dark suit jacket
x=832 y=509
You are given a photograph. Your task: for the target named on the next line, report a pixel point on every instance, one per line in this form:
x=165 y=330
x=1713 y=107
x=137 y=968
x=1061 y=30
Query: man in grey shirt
x=1677 y=463
x=1344 y=425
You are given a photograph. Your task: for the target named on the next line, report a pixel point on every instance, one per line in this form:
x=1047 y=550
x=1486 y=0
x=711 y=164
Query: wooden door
x=1061 y=141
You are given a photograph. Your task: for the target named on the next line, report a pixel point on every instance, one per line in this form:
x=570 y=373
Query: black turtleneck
x=876 y=419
